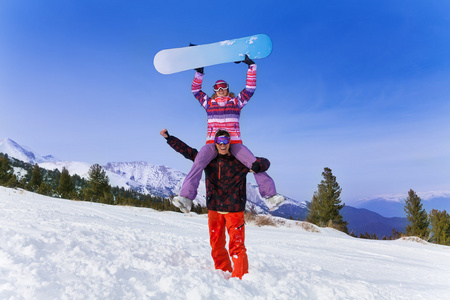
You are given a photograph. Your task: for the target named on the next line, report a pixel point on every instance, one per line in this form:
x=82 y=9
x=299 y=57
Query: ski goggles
x=222 y=140
x=220 y=86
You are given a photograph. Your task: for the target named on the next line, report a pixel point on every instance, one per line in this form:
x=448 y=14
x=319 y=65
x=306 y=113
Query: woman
x=223 y=111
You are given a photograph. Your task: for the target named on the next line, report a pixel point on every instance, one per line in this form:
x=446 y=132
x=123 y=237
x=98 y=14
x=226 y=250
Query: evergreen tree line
x=325 y=206
x=63 y=185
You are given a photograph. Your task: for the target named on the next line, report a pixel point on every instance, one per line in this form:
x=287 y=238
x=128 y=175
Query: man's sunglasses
x=220 y=86
x=222 y=140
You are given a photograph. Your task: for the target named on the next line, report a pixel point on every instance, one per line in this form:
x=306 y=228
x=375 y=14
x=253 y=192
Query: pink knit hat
x=221 y=81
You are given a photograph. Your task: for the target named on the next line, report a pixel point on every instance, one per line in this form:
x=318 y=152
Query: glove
x=248 y=61
x=256 y=167
x=200 y=70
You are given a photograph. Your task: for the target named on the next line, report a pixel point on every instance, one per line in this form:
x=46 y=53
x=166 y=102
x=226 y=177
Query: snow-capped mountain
x=165 y=181
x=146 y=178
x=22 y=153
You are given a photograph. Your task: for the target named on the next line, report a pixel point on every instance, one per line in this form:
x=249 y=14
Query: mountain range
x=394 y=205
x=143 y=177
x=165 y=181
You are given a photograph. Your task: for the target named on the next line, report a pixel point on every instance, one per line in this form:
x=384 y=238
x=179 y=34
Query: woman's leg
x=192 y=180
x=265 y=183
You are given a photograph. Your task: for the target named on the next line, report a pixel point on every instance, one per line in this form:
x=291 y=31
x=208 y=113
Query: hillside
x=60 y=249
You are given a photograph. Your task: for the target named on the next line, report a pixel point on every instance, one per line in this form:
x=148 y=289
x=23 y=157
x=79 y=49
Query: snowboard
x=176 y=60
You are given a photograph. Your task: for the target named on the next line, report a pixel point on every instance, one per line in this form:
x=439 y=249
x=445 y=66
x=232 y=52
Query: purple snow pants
x=207 y=153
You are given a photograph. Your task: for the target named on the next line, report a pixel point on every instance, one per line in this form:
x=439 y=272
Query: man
x=226 y=196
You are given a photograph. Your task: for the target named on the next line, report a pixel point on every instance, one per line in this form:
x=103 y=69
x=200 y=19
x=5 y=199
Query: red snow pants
x=234 y=224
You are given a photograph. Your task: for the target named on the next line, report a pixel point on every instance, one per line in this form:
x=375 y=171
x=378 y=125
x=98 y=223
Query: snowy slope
x=59 y=249
x=160 y=180
x=82 y=169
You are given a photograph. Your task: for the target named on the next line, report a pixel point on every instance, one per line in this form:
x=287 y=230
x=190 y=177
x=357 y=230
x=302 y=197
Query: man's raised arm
x=179 y=146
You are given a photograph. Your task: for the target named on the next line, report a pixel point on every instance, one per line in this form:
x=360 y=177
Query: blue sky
x=361 y=87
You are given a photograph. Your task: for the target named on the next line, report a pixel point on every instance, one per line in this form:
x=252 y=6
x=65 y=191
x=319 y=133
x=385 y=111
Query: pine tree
x=417 y=216
x=66 y=186
x=45 y=189
x=325 y=206
x=36 y=179
x=440 y=227
x=314 y=209
x=5 y=170
x=12 y=182
x=99 y=189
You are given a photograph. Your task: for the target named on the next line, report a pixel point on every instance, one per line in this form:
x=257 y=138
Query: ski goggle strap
x=222 y=140
x=218 y=86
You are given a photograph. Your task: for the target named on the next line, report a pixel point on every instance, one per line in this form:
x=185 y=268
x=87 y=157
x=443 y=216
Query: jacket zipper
x=220 y=165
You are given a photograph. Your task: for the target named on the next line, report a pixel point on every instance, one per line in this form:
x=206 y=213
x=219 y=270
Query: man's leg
x=236 y=231
x=217 y=239
x=192 y=180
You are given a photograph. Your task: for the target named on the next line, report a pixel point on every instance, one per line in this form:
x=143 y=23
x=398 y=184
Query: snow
x=59 y=249
x=73 y=167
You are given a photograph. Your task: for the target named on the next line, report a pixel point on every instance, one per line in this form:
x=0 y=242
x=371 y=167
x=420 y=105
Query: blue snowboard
x=176 y=60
